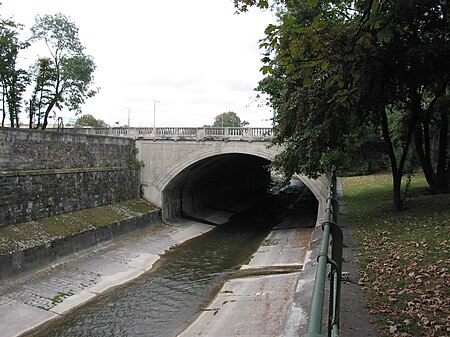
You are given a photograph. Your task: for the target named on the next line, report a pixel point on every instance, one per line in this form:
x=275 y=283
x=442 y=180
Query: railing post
x=330 y=228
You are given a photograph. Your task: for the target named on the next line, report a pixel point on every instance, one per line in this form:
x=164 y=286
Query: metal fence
x=331 y=230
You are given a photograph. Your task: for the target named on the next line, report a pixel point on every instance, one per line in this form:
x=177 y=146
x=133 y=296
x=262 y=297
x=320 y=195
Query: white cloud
x=197 y=57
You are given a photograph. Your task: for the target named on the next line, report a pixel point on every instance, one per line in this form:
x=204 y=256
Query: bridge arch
x=171 y=166
x=171 y=172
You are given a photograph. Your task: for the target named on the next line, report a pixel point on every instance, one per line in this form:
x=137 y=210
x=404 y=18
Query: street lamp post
x=154 y=116
x=128 y=120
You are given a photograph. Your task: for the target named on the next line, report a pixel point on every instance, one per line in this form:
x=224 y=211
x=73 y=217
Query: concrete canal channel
x=184 y=286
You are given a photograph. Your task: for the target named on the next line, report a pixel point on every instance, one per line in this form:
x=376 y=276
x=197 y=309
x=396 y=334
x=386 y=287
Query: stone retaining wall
x=45 y=173
x=31 y=195
x=24 y=149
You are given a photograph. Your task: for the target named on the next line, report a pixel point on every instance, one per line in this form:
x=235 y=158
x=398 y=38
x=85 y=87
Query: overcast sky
x=197 y=58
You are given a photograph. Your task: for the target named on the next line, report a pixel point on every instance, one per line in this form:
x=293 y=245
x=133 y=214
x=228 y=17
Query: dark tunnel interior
x=232 y=182
x=216 y=180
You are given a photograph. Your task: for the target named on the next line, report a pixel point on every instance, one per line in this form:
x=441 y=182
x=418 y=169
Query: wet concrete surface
x=257 y=302
x=38 y=297
x=259 y=299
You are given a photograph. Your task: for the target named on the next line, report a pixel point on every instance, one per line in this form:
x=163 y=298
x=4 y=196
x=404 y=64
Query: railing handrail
x=182 y=133
x=330 y=227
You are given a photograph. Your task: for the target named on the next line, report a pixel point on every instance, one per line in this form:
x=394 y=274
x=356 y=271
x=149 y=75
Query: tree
x=89 y=120
x=431 y=139
x=64 y=78
x=228 y=119
x=13 y=81
x=45 y=75
x=333 y=67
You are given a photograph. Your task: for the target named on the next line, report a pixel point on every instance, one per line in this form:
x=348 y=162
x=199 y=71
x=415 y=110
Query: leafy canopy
x=13 y=81
x=72 y=70
x=89 y=120
x=334 y=67
x=228 y=119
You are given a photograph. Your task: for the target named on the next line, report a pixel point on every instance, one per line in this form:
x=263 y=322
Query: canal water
x=167 y=299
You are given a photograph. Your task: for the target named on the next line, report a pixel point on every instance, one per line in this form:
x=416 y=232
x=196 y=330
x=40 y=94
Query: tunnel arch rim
x=172 y=172
x=315 y=185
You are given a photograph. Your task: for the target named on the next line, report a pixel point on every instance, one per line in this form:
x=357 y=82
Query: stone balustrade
x=183 y=133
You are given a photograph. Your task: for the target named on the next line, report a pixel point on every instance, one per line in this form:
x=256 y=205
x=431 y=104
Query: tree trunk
x=396 y=175
x=437 y=180
x=16 y=116
x=11 y=116
x=44 y=124
x=47 y=113
x=397 y=190
x=441 y=174
x=4 y=110
x=31 y=115
x=426 y=164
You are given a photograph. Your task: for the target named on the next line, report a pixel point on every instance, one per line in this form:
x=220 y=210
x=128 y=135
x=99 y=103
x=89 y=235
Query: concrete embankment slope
x=30 y=245
x=36 y=298
x=259 y=299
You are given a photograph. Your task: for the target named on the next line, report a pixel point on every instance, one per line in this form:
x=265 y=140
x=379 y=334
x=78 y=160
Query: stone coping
x=14 y=173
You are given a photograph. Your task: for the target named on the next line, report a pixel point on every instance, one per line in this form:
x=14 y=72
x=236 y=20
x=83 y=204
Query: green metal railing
x=331 y=230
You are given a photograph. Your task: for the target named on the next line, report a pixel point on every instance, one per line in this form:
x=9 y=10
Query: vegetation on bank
x=33 y=233
x=352 y=82
x=404 y=256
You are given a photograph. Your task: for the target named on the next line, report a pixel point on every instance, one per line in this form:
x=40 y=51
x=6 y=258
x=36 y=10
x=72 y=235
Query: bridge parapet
x=184 y=133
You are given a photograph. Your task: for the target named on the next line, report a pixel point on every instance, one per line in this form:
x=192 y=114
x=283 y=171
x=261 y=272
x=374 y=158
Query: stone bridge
x=188 y=168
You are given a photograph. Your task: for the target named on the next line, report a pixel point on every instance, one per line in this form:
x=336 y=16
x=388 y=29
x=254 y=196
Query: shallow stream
x=167 y=299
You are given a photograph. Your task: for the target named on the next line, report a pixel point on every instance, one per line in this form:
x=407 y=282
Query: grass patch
x=269 y=242
x=25 y=235
x=60 y=296
x=404 y=256
x=138 y=206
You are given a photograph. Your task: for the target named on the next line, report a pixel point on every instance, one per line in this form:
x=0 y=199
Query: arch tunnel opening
x=216 y=188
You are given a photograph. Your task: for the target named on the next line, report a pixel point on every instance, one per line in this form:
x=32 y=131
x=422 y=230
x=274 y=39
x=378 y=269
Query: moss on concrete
x=138 y=206
x=25 y=235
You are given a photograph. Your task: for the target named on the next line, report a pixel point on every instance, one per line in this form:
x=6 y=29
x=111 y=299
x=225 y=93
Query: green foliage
x=133 y=163
x=362 y=153
x=45 y=74
x=60 y=296
x=66 y=78
x=62 y=78
x=243 y=5
x=13 y=81
x=228 y=119
x=89 y=120
x=59 y=33
x=334 y=68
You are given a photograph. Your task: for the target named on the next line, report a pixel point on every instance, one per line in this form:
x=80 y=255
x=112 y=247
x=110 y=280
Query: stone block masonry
x=45 y=173
x=30 y=195
x=24 y=149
